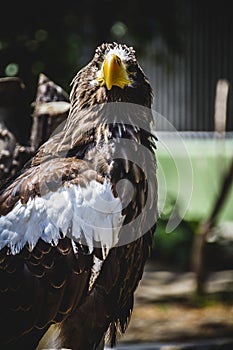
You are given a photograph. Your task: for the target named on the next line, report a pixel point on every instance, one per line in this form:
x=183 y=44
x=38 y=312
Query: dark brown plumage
x=46 y=279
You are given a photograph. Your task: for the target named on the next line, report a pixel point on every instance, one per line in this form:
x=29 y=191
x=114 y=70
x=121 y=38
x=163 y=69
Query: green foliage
x=175 y=248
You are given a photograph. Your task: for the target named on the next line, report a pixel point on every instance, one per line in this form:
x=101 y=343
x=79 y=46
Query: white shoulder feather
x=90 y=215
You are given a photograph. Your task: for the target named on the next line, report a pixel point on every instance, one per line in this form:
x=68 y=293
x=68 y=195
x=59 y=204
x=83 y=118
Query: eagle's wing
x=109 y=304
x=47 y=246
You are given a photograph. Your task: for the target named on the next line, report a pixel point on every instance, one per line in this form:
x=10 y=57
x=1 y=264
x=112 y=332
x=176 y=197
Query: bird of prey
x=77 y=222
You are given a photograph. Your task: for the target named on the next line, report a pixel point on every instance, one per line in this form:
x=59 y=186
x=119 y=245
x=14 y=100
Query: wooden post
x=220 y=114
x=51 y=107
x=227 y=179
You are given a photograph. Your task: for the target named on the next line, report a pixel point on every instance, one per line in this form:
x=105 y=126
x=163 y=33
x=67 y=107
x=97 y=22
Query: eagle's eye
x=131 y=68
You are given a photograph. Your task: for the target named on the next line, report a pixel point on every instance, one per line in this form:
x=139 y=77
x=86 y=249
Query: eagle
x=78 y=220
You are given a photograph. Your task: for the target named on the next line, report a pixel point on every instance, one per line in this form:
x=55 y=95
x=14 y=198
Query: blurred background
x=185 y=48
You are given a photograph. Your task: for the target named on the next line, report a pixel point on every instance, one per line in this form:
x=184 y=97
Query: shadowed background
x=185 y=48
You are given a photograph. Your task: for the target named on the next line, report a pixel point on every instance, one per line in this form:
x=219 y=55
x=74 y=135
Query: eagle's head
x=113 y=75
x=116 y=65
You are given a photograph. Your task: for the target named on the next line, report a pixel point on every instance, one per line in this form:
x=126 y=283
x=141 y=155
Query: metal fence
x=185 y=85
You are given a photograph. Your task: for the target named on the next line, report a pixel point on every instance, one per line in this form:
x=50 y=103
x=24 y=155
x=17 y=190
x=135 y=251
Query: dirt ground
x=167 y=310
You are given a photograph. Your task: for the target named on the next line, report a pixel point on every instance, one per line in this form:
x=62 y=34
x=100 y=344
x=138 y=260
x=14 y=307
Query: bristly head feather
x=123 y=51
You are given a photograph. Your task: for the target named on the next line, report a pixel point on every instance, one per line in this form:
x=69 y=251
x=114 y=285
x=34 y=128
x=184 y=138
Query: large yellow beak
x=113 y=73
